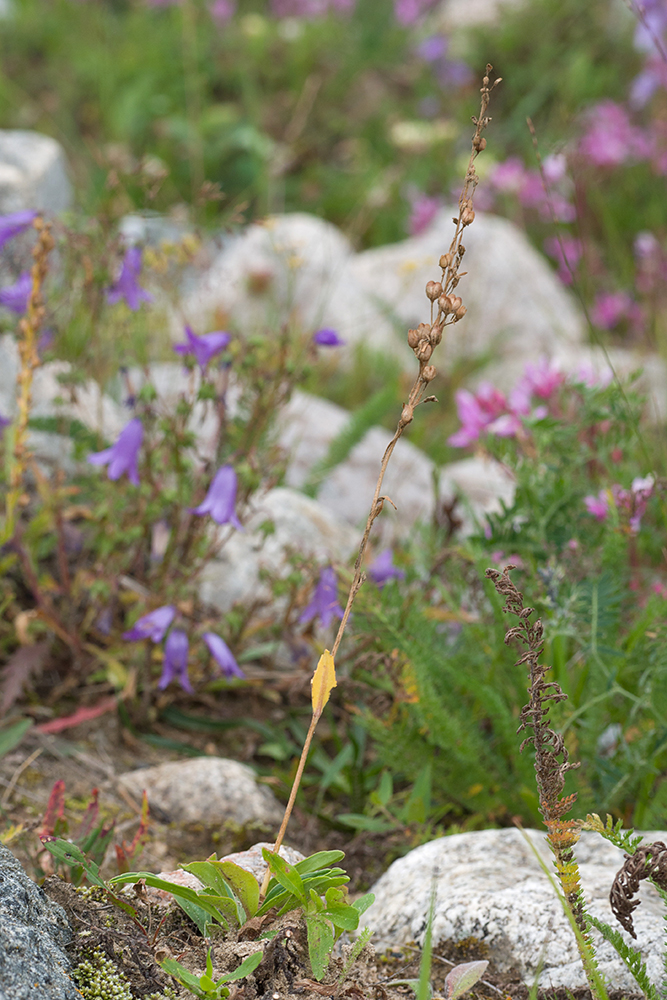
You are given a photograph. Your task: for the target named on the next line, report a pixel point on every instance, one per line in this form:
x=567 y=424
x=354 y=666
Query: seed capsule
x=460 y=313
x=445 y=261
x=413 y=338
x=433 y=290
x=456 y=302
x=435 y=336
x=445 y=303
x=467 y=216
x=424 y=351
x=428 y=373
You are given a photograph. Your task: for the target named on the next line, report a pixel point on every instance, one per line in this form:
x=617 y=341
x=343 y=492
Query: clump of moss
x=99 y=979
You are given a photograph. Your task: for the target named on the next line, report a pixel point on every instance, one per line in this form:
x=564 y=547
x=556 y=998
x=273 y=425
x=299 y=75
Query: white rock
x=465 y=13
x=205 y=790
x=33 y=173
x=308 y=425
x=516 y=305
x=300 y=524
x=490 y=886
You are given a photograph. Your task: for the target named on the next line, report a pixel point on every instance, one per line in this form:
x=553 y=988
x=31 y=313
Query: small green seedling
x=204 y=986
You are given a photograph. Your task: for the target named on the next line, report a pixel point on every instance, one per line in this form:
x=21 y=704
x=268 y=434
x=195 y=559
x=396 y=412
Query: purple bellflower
x=205 y=347
x=327 y=338
x=14 y=223
x=152 y=626
x=324 y=604
x=123 y=455
x=15 y=297
x=175 y=665
x=127 y=286
x=220 y=499
x=222 y=655
x=382 y=569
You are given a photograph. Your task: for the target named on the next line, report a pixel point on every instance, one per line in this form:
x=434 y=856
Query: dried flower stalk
x=446 y=309
x=29 y=360
x=648 y=861
x=551 y=756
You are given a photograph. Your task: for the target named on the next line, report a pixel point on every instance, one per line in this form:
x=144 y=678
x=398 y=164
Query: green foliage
x=631 y=957
x=11 y=735
x=204 y=986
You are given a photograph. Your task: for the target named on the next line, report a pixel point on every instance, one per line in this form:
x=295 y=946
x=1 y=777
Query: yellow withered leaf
x=324 y=679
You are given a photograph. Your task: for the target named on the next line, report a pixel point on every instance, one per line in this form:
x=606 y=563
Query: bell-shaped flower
x=153 y=625
x=220 y=499
x=328 y=338
x=222 y=655
x=324 y=604
x=127 y=286
x=382 y=569
x=175 y=664
x=14 y=223
x=15 y=297
x=205 y=347
x=123 y=455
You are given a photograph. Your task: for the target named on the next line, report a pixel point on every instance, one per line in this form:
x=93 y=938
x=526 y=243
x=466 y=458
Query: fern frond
x=630 y=956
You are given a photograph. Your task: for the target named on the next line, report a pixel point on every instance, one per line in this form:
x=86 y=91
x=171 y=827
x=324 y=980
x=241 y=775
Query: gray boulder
x=490 y=886
x=33 y=173
x=210 y=790
x=34 y=934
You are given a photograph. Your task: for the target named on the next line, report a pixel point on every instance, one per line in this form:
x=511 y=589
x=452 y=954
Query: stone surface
x=490 y=886
x=455 y=14
x=209 y=790
x=33 y=173
x=34 y=933
x=300 y=524
x=309 y=424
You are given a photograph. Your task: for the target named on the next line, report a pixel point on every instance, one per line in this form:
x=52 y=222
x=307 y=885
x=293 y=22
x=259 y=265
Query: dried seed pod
x=460 y=313
x=435 y=335
x=467 y=216
x=479 y=143
x=424 y=350
x=413 y=338
x=433 y=290
x=456 y=301
x=445 y=303
x=407 y=414
x=428 y=373
x=446 y=261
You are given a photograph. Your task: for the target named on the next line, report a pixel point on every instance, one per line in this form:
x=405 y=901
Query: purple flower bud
x=127 y=286
x=175 y=665
x=15 y=297
x=324 y=604
x=204 y=347
x=220 y=499
x=14 y=223
x=222 y=655
x=152 y=626
x=327 y=338
x=382 y=569
x=123 y=455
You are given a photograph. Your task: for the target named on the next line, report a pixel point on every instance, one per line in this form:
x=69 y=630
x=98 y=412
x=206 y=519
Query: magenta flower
x=221 y=497
x=542 y=378
x=127 y=286
x=328 y=338
x=567 y=252
x=382 y=569
x=324 y=604
x=610 y=308
x=422 y=213
x=407 y=12
x=175 y=665
x=15 y=297
x=507 y=425
x=123 y=455
x=598 y=506
x=476 y=413
x=205 y=347
x=508 y=176
x=152 y=626
x=634 y=500
x=222 y=10
x=611 y=138
x=14 y=223
x=222 y=655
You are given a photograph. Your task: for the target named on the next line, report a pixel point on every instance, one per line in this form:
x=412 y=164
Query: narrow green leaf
x=247 y=966
x=11 y=736
x=243 y=883
x=320 y=943
x=286 y=874
x=318 y=861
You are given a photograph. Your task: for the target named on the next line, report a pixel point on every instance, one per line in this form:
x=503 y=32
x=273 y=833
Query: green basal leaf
x=11 y=736
x=69 y=854
x=318 y=861
x=286 y=874
x=242 y=883
x=320 y=943
x=364 y=902
x=247 y=966
x=210 y=904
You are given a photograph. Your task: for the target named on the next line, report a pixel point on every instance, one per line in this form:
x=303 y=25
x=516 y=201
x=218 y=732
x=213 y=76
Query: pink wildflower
x=611 y=139
x=610 y=308
x=598 y=506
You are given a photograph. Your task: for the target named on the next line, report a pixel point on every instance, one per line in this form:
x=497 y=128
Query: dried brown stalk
x=446 y=309
x=29 y=360
x=648 y=861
